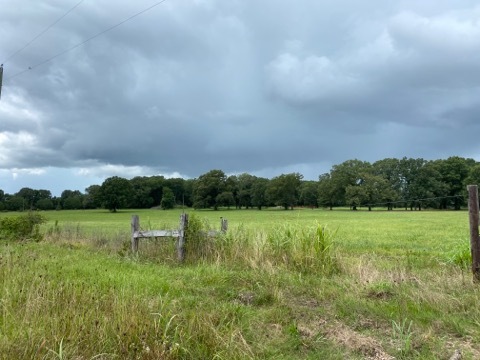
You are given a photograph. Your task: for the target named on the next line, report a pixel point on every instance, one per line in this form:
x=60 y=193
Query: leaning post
x=223 y=225
x=182 y=237
x=135 y=229
x=473 y=213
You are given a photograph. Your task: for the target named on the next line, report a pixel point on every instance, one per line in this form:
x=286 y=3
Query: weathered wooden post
x=135 y=229
x=474 y=234
x=223 y=225
x=182 y=237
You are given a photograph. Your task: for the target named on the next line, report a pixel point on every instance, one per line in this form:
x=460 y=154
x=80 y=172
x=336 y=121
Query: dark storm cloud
x=251 y=86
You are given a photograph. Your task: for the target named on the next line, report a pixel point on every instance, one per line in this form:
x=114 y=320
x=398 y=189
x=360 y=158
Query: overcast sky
x=259 y=86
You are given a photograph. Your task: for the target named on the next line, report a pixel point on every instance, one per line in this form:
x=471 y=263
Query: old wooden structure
x=179 y=234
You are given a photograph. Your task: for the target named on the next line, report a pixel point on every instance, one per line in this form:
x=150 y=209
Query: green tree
x=309 y=193
x=29 y=197
x=177 y=185
x=245 y=192
x=283 y=190
x=426 y=188
x=343 y=175
x=454 y=172
x=71 y=199
x=207 y=187
x=142 y=193
x=92 y=198
x=389 y=169
x=370 y=190
x=168 y=199
x=258 y=194
x=327 y=191
x=115 y=193
x=473 y=177
x=45 y=204
x=14 y=203
x=225 y=198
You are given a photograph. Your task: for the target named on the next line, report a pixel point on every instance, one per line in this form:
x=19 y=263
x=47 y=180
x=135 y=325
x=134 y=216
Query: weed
x=22 y=227
x=402 y=334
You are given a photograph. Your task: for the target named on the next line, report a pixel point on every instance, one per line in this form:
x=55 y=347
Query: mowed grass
x=396 y=286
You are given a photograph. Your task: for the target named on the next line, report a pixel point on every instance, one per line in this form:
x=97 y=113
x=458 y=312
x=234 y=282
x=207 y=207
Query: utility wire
x=43 y=32
x=85 y=41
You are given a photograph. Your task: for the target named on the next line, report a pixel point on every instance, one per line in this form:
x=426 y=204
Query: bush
x=23 y=227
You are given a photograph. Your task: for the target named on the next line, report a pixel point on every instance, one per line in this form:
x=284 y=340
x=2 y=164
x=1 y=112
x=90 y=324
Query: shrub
x=23 y=227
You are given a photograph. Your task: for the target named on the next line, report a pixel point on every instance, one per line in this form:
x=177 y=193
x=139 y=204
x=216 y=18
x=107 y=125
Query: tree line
x=389 y=183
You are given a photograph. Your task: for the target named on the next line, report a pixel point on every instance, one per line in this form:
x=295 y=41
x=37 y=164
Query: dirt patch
x=355 y=341
x=352 y=340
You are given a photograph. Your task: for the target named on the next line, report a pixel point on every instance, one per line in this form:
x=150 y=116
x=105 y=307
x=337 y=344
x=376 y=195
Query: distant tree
x=245 y=185
x=187 y=196
x=156 y=184
x=327 y=191
x=283 y=190
x=225 y=198
x=2 y=200
x=389 y=169
x=231 y=186
x=115 y=193
x=71 y=200
x=454 y=172
x=45 y=204
x=258 y=192
x=29 y=197
x=309 y=193
x=177 y=185
x=426 y=187
x=141 y=193
x=14 y=203
x=370 y=190
x=473 y=177
x=344 y=175
x=168 y=199
x=207 y=187
x=92 y=198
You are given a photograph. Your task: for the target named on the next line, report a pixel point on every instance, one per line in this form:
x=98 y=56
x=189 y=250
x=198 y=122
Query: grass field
x=302 y=284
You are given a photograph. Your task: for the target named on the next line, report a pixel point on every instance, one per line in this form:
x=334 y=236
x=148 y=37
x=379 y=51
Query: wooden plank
x=156 y=233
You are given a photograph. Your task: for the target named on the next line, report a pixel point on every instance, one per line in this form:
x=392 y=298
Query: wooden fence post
x=182 y=237
x=474 y=233
x=223 y=225
x=135 y=228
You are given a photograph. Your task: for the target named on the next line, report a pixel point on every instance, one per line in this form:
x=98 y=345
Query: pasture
x=301 y=284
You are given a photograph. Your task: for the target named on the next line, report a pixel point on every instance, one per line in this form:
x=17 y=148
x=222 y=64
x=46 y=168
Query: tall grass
x=288 y=247
x=291 y=289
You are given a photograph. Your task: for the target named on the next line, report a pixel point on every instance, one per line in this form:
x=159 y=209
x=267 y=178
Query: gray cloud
x=262 y=87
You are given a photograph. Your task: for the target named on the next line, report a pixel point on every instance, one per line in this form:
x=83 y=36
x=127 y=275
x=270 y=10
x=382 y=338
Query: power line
x=85 y=41
x=42 y=32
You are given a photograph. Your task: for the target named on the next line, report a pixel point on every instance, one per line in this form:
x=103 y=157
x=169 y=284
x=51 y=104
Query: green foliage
x=23 y=227
x=207 y=187
x=283 y=190
x=115 y=193
x=168 y=199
